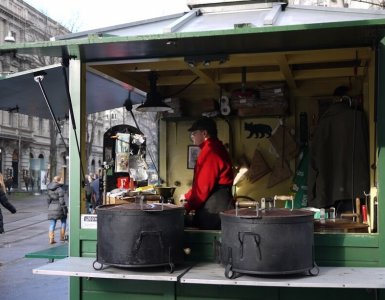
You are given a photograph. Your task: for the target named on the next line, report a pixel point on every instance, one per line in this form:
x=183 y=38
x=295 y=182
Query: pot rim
x=270 y=213
x=147 y=207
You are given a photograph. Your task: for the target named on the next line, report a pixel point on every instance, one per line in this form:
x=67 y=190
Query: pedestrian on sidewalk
x=96 y=198
x=88 y=189
x=4 y=201
x=57 y=208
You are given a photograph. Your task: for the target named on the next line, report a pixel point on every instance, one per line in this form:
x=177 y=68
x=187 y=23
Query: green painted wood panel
x=206 y=292
x=88 y=248
x=330 y=249
x=359 y=254
x=203 y=244
x=115 y=289
x=329 y=294
x=348 y=240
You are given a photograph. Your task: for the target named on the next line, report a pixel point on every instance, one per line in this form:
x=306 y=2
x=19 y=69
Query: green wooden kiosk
x=203 y=56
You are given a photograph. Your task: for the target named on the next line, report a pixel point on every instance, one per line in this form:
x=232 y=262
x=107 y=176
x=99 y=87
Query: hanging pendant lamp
x=153 y=101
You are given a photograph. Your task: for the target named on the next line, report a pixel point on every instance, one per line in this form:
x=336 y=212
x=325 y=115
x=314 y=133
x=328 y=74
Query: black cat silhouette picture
x=258 y=130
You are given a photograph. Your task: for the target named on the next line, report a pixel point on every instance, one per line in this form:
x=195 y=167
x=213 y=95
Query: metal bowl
x=165 y=191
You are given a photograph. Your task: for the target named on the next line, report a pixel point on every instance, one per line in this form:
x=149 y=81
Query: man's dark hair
x=205 y=123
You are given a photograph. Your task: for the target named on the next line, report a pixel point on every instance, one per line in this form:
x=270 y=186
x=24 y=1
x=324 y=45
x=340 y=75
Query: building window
x=11 y=117
x=40 y=125
x=1 y=160
x=100 y=141
x=13 y=34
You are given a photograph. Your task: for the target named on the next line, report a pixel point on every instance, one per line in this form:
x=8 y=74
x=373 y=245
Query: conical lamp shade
x=153 y=101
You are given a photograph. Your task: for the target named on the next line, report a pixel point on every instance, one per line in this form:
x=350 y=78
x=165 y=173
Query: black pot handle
x=142 y=235
x=257 y=240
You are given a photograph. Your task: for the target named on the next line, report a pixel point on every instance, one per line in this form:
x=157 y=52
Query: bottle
x=322 y=215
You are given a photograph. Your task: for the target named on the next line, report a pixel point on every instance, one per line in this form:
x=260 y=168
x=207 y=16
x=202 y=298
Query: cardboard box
x=119 y=200
x=265 y=109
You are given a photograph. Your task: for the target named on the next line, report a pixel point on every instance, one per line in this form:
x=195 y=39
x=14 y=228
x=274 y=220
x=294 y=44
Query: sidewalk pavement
x=27 y=231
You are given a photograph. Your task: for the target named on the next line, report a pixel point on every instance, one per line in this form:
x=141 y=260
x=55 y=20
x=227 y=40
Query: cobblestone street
x=27 y=231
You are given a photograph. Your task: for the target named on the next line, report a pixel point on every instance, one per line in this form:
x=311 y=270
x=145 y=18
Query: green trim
x=93 y=39
x=381 y=144
x=74 y=290
x=75 y=172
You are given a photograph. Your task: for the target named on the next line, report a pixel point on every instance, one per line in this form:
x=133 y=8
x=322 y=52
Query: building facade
x=25 y=141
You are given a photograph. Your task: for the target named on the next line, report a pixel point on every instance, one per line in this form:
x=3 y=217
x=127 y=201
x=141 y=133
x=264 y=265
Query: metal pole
x=19 y=164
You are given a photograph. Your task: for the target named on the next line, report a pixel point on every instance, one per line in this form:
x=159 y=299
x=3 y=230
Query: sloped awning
x=21 y=93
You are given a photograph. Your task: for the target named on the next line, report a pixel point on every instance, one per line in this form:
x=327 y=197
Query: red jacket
x=213 y=167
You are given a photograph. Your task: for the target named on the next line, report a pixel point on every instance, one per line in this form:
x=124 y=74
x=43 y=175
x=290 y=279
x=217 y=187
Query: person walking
x=57 y=208
x=96 y=195
x=4 y=202
x=88 y=192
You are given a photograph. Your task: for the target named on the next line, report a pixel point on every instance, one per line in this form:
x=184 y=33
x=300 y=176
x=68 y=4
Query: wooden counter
x=83 y=267
x=213 y=274
x=339 y=225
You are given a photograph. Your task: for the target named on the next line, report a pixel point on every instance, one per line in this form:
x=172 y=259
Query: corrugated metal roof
x=218 y=20
x=144 y=27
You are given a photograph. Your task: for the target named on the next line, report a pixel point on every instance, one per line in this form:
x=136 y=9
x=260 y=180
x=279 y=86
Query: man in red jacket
x=213 y=177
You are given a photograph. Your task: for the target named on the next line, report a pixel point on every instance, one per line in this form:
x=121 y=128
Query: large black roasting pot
x=269 y=241
x=139 y=235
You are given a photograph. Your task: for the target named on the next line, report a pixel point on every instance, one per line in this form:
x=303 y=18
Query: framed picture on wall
x=192 y=155
x=122 y=162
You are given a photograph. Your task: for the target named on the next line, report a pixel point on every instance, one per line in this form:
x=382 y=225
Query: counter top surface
x=328 y=277
x=83 y=267
x=212 y=273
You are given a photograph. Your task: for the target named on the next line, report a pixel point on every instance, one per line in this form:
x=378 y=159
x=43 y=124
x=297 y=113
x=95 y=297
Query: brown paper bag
x=283 y=142
x=258 y=167
x=281 y=171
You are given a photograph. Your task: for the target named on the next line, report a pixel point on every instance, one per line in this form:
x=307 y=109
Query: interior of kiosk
x=268 y=125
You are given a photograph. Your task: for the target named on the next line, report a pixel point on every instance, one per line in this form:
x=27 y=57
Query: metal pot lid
x=268 y=213
x=140 y=207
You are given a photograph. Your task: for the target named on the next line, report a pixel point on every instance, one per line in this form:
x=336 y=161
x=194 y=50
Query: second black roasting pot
x=267 y=241
x=139 y=235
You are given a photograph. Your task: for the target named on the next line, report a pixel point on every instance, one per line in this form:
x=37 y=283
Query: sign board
x=88 y=221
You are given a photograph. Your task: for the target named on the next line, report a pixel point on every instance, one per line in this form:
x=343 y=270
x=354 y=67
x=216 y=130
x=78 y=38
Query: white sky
x=84 y=15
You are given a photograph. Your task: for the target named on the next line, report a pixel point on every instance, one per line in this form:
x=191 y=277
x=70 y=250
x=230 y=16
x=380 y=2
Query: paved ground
x=27 y=231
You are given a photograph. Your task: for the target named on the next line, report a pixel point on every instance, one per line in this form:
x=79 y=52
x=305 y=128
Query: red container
x=123 y=182
x=364 y=213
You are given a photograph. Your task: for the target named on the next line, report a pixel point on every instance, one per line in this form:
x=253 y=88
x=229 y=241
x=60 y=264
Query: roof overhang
x=245 y=40
x=112 y=60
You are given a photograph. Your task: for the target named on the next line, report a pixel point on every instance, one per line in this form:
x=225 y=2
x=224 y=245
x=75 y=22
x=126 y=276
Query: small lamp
x=153 y=101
